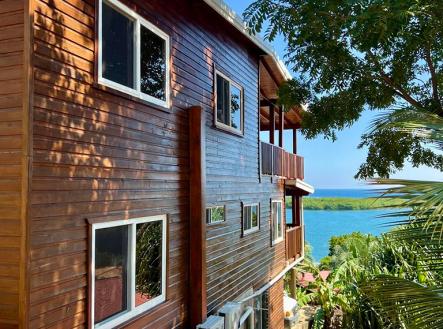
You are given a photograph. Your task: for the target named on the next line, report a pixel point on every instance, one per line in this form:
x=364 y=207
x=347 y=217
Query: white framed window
x=215 y=214
x=251 y=218
x=128 y=269
x=229 y=112
x=277 y=225
x=133 y=54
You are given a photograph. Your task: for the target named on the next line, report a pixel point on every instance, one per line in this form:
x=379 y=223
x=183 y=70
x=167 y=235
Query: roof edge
x=235 y=20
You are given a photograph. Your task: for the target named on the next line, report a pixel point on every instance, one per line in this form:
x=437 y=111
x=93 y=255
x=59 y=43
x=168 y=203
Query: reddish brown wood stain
x=12 y=159
x=97 y=155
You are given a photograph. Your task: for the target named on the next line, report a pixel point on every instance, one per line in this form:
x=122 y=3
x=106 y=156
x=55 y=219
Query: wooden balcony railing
x=294 y=242
x=276 y=161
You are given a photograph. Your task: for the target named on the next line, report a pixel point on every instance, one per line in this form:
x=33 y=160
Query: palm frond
x=422 y=200
x=406 y=302
x=420 y=123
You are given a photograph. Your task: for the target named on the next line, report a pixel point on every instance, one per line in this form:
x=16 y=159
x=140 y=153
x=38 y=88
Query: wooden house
x=135 y=188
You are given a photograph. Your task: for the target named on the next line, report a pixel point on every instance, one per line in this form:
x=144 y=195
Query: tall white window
x=229 y=104
x=128 y=269
x=277 y=221
x=133 y=54
x=251 y=218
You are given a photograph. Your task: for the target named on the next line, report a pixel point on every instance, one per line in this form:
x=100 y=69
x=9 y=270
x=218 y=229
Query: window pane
x=153 y=64
x=279 y=221
x=246 y=218
x=117 y=47
x=217 y=214
x=254 y=216
x=235 y=107
x=111 y=259
x=148 y=277
x=222 y=100
x=276 y=221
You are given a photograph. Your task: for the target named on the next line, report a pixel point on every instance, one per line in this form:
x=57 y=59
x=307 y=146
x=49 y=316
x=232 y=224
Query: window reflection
x=110 y=272
x=148 y=280
x=153 y=64
x=254 y=215
x=229 y=103
x=235 y=107
x=277 y=224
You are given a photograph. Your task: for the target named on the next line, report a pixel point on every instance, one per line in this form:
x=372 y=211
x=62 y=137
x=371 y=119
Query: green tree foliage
x=357 y=262
x=355 y=55
x=148 y=280
x=400 y=275
x=404 y=301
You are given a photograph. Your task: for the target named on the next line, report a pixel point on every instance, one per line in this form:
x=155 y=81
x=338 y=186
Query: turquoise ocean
x=321 y=225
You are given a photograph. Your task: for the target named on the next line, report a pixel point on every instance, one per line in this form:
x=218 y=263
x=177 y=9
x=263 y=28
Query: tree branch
x=400 y=91
x=435 y=94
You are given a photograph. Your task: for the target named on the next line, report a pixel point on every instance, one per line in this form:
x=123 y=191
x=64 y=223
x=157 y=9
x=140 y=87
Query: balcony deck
x=294 y=242
x=276 y=161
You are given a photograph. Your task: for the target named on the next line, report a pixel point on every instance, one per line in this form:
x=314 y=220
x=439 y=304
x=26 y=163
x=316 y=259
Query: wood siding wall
x=236 y=263
x=276 y=312
x=102 y=156
x=13 y=161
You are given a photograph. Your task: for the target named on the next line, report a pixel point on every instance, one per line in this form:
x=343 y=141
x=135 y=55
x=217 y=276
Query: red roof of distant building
x=305 y=278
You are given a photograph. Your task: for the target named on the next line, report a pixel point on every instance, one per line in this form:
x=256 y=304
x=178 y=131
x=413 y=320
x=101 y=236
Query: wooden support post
x=298 y=211
x=292 y=283
x=197 y=222
x=294 y=207
x=271 y=124
x=281 y=128
x=294 y=141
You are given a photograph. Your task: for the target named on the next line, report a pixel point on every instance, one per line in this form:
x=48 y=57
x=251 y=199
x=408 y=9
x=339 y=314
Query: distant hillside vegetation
x=347 y=203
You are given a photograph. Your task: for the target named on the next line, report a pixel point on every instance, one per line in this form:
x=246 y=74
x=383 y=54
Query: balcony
x=294 y=242
x=276 y=161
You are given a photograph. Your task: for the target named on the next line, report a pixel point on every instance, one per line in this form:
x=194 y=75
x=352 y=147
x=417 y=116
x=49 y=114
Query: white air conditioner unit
x=213 y=322
x=237 y=315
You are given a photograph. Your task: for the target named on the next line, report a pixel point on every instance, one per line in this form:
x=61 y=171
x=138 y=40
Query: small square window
x=229 y=104
x=215 y=214
x=251 y=218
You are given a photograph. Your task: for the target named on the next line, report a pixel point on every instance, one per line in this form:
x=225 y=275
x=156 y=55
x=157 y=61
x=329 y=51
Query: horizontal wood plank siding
x=102 y=156
x=276 y=311
x=99 y=155
x=236 y=263
x=12 y=159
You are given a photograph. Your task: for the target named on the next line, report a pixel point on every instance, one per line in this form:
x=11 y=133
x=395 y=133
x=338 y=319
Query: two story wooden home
x=142 y=170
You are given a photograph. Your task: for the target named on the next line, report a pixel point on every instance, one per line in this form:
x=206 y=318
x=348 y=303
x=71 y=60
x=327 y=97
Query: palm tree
x=400 y=301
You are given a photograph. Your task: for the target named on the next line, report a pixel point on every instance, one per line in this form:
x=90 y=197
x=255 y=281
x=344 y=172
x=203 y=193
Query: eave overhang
x=269 y=55
x=300 y=185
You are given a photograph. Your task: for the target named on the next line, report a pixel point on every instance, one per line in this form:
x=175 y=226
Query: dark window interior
x=111 y=262
x=117 y=47
x=223 y=101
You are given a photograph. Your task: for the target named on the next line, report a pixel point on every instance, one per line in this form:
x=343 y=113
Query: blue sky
x=334 y=164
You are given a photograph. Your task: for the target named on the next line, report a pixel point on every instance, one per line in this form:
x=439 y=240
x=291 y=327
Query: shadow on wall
x=96 y=156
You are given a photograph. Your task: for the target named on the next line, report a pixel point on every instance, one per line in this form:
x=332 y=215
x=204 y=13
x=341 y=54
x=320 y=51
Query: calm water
x=320 y=225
